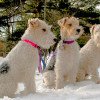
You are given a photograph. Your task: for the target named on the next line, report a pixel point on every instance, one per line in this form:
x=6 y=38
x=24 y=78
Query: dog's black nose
x=55 y=40
x=78 y=30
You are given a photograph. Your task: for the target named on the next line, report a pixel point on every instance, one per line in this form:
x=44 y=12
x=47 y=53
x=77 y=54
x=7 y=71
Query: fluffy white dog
x=90 y=57
x=21 y=62
x=67 y=59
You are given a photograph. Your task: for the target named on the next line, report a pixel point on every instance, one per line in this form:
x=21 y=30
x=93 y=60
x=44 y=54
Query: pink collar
x=31 y=43
x=39 y=51
x=68 y=41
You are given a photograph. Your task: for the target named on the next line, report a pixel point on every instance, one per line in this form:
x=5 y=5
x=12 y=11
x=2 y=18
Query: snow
x=85 y=90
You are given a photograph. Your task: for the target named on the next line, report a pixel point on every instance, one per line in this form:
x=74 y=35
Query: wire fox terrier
x=21 y=62
x=67 y=57
x=90 y=57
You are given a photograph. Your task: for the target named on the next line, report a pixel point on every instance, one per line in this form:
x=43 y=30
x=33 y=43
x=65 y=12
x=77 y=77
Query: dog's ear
x=62 y=21
x=33 y=22
x=75 y=20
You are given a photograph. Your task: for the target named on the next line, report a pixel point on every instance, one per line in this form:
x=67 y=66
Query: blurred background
x=15 y=13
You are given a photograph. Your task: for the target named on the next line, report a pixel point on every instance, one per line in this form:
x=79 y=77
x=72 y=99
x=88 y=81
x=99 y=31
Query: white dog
x=67 y=59
x=90 y=56
x=21 y=62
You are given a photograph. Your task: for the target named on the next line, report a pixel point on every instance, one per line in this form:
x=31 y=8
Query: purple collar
x=68 y=41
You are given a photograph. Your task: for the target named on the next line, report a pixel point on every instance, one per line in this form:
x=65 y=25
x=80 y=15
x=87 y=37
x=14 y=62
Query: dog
x=90 y=57
x=64 y=69
x=67 y=58
x=21 y=62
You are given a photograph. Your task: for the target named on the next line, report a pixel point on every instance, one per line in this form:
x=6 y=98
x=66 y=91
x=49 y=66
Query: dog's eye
x=70 y=24
x=44 y=29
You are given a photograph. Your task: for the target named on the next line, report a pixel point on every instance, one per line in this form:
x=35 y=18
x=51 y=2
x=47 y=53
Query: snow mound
x=85 y=90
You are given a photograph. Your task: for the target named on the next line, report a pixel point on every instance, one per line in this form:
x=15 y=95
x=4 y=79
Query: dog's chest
x=68 y=52
x=67 y=58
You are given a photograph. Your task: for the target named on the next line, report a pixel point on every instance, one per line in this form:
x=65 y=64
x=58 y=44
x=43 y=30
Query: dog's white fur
x=49 y=78
x=67 y=59
x=1 y=58
x=90 y=56
x=49 y=74
x=23 y=59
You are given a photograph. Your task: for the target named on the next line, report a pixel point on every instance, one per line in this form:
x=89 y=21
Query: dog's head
x=95 y=34
x=40 y=32
x=70 y=28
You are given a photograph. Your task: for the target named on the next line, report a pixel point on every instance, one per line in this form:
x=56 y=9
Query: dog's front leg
x=59 y=81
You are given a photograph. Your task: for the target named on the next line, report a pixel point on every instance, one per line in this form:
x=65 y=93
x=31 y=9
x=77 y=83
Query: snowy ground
x=80 y=91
